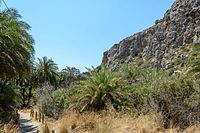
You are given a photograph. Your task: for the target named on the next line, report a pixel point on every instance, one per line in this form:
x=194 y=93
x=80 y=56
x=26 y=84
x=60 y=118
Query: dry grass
x=115 y=123
x=45 y=128
x=11 y=128
x=49 y=125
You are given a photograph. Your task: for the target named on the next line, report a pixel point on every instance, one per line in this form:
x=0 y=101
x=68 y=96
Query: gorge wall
x=163 y=44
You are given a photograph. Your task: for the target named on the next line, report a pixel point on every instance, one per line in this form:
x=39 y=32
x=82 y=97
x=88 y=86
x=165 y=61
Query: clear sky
x=77 y=32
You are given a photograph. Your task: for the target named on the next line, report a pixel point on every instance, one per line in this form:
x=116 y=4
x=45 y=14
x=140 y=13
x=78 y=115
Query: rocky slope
x=165 y=44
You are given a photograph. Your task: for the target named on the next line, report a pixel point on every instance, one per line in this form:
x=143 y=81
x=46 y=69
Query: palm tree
x=102 y=90
x=16 y=46
x=46 y=71
x=69 y=75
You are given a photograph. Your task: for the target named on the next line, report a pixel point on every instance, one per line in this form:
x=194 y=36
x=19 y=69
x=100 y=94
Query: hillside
x=164 y=45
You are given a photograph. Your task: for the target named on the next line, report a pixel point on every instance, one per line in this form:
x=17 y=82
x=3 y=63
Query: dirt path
x=27 y=125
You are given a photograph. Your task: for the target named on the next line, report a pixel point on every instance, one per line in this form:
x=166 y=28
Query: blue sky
x=77 y=32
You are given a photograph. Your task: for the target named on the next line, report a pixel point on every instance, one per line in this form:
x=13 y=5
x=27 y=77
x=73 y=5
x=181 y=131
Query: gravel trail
x=27 y=125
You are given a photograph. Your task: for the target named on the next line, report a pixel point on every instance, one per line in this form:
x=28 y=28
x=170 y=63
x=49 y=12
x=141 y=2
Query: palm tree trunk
x=29 y=96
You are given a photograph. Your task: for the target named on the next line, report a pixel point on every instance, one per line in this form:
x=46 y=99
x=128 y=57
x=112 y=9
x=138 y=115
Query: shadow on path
x=27 y=125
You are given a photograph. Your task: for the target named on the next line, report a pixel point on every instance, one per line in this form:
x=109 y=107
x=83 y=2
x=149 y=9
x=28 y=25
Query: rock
x=178 y=28
x=105 y=57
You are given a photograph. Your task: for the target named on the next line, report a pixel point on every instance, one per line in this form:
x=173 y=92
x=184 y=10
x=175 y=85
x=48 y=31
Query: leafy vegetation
x=54 y=104
x=195 y=61
x=16 y=57
x=101 y=91
x=16 y=46
x=136 y=89
x=68 y=76
x=46 y=71
x=8 y=100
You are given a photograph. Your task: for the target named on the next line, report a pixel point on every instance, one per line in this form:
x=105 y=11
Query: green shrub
x=194 y=98
x=128 y=72
x=194 y=61
x=177 y=98
x=55 y=103
x=102 y=90
x=138 y=95
x=175 y=89
x=173 y=96
x=9 y=100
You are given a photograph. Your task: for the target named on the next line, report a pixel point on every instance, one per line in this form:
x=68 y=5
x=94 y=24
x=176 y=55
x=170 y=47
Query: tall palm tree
x=16 y=46
x=46 y=71
x=68 y=75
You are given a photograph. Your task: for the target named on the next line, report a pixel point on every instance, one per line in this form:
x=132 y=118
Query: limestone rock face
x=164 y=40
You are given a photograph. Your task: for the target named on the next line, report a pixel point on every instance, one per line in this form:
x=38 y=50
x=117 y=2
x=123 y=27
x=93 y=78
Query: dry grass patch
x=105 y=122
x=193 y=129
x=75 y=122
x=11 y=128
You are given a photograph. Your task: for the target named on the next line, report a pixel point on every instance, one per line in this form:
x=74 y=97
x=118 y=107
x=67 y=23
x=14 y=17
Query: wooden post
x=46 y=128
x=32 y=113
x=36 y=115
x=39 y=117
x=5 y=128
x=42 y=118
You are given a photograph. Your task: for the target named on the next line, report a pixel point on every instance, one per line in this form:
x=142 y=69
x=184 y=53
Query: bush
x=140 y=90
x=175 y=90
x=194 y=98
x=173 y=97
x=194 y=61
x=129 y=72
x=55 y=103
x=8 y=101
x=103 y=90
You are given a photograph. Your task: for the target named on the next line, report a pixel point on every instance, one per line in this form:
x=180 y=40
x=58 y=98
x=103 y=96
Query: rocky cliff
x=165 y=44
